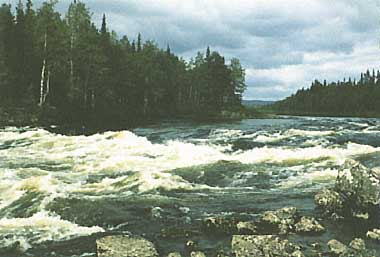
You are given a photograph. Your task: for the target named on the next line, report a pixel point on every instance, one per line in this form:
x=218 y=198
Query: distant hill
x=256 y=102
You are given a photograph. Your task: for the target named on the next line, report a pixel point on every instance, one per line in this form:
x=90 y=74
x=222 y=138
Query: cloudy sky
x=283 y=45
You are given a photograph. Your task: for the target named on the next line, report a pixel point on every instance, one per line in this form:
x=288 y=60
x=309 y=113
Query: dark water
x=60 y=193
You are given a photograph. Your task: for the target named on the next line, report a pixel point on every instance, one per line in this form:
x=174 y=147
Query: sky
x=283 y=45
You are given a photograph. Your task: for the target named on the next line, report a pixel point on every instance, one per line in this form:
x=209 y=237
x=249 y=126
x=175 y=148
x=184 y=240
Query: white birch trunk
x=41 y=102
x=72 y=62
x=47 y=87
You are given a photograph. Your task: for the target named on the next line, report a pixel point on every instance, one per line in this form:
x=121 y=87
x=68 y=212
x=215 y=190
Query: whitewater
x=59 y=192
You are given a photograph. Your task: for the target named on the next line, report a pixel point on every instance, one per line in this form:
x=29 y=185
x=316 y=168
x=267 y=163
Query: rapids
x=59 y=192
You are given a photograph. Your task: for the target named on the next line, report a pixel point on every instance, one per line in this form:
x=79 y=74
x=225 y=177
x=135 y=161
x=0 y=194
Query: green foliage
x=82 y=75
x=347 y=98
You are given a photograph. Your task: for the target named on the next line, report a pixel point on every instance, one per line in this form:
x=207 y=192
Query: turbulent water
x=59 y=193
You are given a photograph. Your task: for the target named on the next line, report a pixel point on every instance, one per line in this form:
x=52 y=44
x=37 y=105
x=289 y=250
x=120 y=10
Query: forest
x=343 y=98
x=63 y=69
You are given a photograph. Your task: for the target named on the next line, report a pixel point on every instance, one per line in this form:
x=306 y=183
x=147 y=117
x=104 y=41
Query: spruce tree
x=139 y=43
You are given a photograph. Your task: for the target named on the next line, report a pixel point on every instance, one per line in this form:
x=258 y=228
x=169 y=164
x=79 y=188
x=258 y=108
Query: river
x=59 y=193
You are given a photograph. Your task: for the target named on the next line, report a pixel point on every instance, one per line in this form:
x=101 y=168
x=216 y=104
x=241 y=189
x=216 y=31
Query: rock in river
x=197 y=254
x=247 y=227
x=357 y=248
x=329 y=201
x=309 y=225
x=337 y=248
x=125 y=246
x=355 y=192
x=262 y=246
x=224 y=225
x=374 y=234
x=280 y=221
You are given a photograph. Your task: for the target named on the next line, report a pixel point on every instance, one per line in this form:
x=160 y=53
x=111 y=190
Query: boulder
x=356 y=248
x=359 y=187
x=297 y=253
x=309 y=225
x=358 y=244
x=355 y=194
x=262 y=246
x=190 y=245
x=337 y=248
x=247 y=227
x=197 y=254
x=280 y=221
x=224 y=225
x=374 y=234
x=329 y=201
x=358 y=183
x=125 y=246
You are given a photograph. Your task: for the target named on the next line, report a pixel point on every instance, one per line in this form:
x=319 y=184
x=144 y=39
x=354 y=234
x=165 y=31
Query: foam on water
x=73 y=159
x=39 y=228
x=285 y=155
x=35 y=160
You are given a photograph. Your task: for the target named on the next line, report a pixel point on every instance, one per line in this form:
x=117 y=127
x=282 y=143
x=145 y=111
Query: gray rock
x=297 y=253
x=224 y=225
x=360 y=181
x=125 y=246
x=358 y=244
x=355 y=192
x=280 y=221
x=197 y=254
x=374 y=234
x=309 y=225
x=247 y=227
x=190 y=245
x=357 y=248
x=329 y=200
x=262 y=246
x=337 y=248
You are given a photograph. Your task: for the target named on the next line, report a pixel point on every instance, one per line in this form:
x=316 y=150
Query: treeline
x=68 y=69
x=342 y=98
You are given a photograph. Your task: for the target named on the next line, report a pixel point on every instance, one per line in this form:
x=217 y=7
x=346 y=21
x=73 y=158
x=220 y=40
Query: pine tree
x=208 y=53
x=139 y=43
x=103 y=30
x=133 y=46
x=6 y=26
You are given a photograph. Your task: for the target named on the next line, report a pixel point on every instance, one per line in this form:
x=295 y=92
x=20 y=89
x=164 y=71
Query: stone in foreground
x=197 y=254
x=280 y=221
x=358 y=244
x=329 y=200
x=247 y=227
x=262 y=246
x=374 y=234
x=125 y=246
x=224 y=225
x=337 y=248
x=309 y=225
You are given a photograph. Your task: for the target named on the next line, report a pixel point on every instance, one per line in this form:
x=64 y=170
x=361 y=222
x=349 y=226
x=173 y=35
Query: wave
x=41 y=227
x=130 y=161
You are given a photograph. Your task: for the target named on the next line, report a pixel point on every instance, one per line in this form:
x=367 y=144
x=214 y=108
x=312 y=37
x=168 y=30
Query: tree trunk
x=43 y=74
x=85 y=89
x=71 y=62
x=47 y=87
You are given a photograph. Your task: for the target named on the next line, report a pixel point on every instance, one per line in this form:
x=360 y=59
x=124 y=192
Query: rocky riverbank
x=355 y=195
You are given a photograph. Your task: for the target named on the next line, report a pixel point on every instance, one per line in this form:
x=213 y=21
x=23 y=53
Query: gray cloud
x=283 y=44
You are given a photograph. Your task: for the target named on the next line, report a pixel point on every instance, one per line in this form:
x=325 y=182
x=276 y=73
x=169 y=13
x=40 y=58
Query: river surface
x=59 y=193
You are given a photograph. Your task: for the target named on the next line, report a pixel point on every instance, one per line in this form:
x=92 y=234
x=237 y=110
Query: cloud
x=284 y=45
